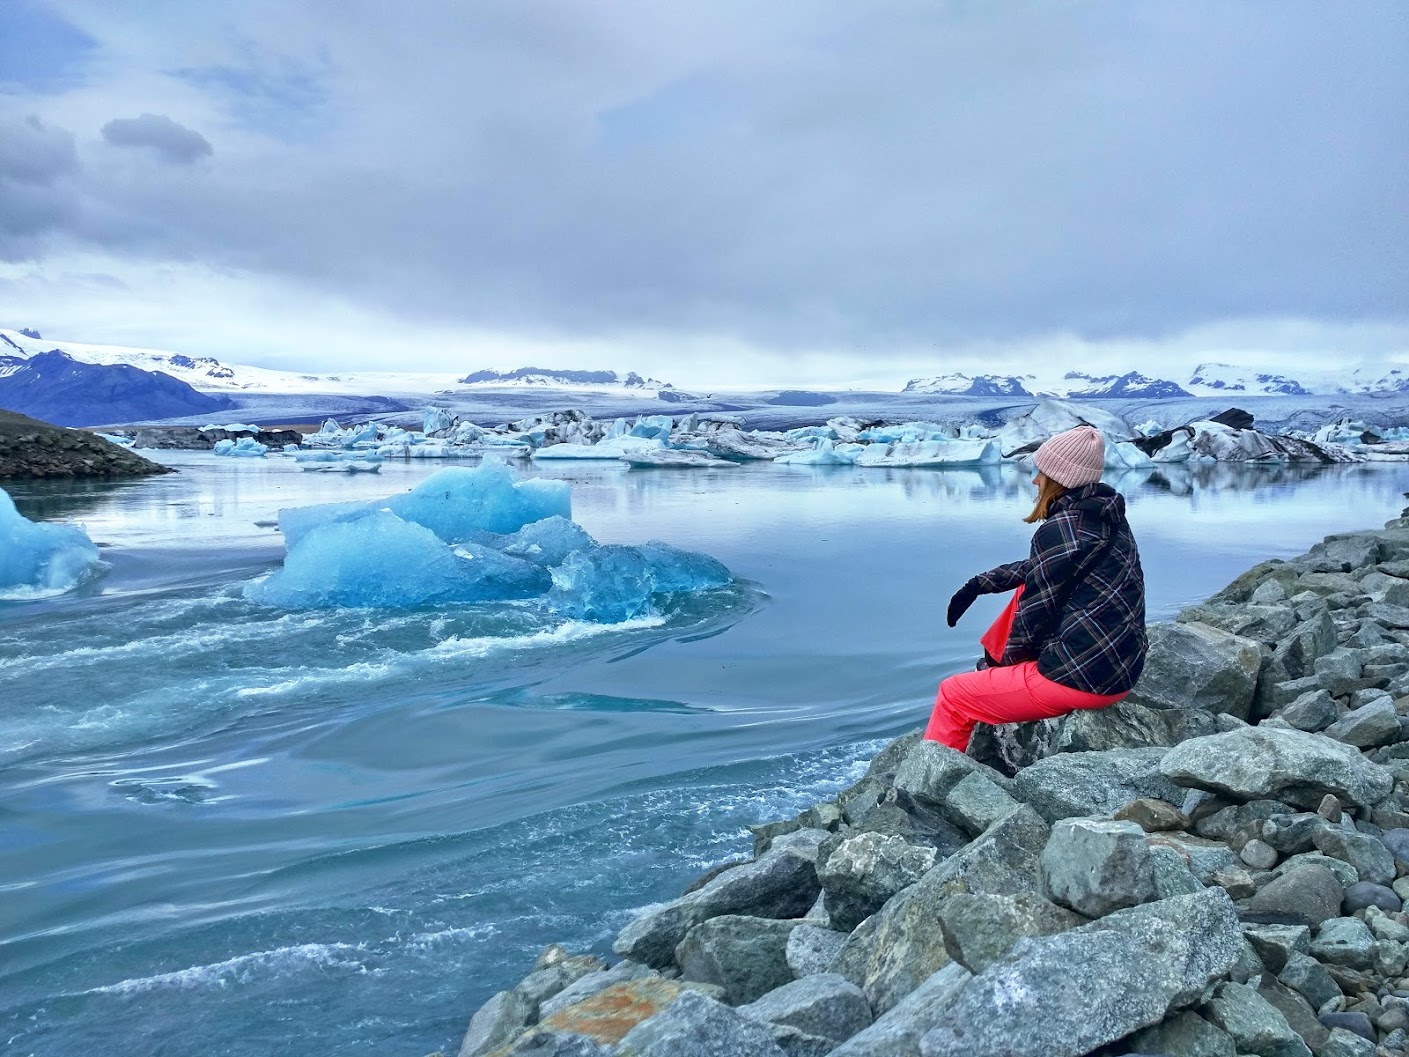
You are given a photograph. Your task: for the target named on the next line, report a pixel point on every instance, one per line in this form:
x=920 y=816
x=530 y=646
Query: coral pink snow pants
x=1015 y=694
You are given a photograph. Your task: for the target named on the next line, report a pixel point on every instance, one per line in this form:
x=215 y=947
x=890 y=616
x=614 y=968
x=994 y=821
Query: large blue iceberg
x=474 y=535
x=37 y=560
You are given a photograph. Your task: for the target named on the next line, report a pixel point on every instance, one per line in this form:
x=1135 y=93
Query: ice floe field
x=273 y=791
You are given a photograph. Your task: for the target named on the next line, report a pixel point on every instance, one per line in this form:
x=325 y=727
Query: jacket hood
x=1099 y=499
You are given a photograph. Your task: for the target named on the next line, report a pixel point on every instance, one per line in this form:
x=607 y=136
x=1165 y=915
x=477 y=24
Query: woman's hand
x=963 y=598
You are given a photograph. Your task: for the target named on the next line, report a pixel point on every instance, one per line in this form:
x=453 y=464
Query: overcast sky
x=711 y=192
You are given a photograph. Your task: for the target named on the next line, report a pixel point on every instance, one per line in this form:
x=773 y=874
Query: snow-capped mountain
x=562 y=378
x=1133 y=384
x=209 y=375
x=1214 y=379
x=965 y=385
x=54 y=387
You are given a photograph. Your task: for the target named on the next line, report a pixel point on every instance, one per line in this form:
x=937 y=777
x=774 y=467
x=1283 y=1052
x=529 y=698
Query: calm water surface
x=234 y=830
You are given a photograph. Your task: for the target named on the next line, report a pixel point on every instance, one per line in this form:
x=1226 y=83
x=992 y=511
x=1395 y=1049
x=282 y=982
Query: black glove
x=963 y=598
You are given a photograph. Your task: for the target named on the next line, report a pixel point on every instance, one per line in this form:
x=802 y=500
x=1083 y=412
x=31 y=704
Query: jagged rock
x=745 y=956
x=1255 y=1024
x=1355 y=1022
x=1308 y=978
x=1095 y=866
x=930 y=770
x=825 y=1005
x=897 y=1032
x=1397 y=841
x=1172 y=874
x=1345 y=552
x=1368 y=726
x=862 y=872
x=610 y=1013
x=555 y=970
x=1152 y=816
x=812 y=950
x=495 y=1023
x=1307 y=895
x=1009 y=748
x=592 y=983
x=977 y=802
x=893 y=951
x=696 y=1026
x=1287 y=765
x=1342 y=1043
x=1206 y=858
x=1263 y=621
x=979 y=929
x=1274 y=944
x=1074 y=784
x=1186 y=1034
x=1135 y=965
x=1344 y=941
x=1130 y=725
x=1300 y=1017
x=779 y=885
x=1371 y=859
x=1311 y=712
x=795 y=1043
x=1198 y=666
x=1295 y=655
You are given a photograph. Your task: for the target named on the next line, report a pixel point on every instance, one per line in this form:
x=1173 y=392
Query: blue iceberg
x=456 y=504
x=473 y=536
x=380 y=560
x=37 y=560
x=247 y=447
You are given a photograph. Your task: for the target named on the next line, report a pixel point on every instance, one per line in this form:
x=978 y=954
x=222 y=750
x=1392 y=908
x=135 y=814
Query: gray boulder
x=1072 y=784
x=495 y=1023
x=1095 y=866
x=825 y=1005
x=1135 y=965
x=1343 y=1043
x=779 y=885
x=1312 y=711
x=901 y=945
x=1305 y=895
x=696 y=1026
x=1008 y=748
x=979 y=929
x=745 y=956
x=977 y=802
x=930 y=770
x=1263 y=620
x=1172 y=874
x=1186 y=1034
x=1308 y=978
x=1274 y=944
x=864 y=871
x=1130 y=725
x=1255 y=1024
x=1198 y=666
x=812 y=950
x=897 y=1032
x=1371 y=859
x=1368 y=726
x=1345 y=873
x=1344 y=941
x=540 y=1043
x=1152 y=816
x=591 y=984
x=1295 y=655
x=1365 y=894
x=1287 y=765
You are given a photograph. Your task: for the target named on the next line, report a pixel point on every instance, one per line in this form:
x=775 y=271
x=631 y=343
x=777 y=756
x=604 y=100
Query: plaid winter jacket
x=1081 y=616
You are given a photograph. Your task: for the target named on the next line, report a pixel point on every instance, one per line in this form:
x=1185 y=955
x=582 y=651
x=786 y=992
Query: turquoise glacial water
x=229 y=829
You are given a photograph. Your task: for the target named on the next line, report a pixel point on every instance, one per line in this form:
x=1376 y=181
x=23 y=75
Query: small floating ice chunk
x=826 y=453
x=37 y=560
x=673 y=458
x=246 y=447
x=380 y=560
x=613 y=582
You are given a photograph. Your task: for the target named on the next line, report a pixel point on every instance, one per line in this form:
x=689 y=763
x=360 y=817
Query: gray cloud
x=36 y=162
x=171 y=140
x=828 y=177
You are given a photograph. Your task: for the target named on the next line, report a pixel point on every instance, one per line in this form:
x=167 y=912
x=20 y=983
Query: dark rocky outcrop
x=34 y=449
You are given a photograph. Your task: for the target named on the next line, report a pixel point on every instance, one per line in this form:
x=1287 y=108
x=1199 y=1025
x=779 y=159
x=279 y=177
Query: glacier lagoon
x=232 y=828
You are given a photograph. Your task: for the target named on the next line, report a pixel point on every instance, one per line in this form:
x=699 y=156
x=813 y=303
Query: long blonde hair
x=1047 y=493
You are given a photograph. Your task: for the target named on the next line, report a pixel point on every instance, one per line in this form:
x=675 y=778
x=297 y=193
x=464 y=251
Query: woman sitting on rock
x=1073 y=635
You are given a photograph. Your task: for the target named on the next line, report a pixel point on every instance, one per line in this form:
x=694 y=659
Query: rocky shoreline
x=1215 y=866
x=33 y=449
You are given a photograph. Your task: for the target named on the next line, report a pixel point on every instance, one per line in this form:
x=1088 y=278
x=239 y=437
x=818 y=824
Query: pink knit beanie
x=1073 y=458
